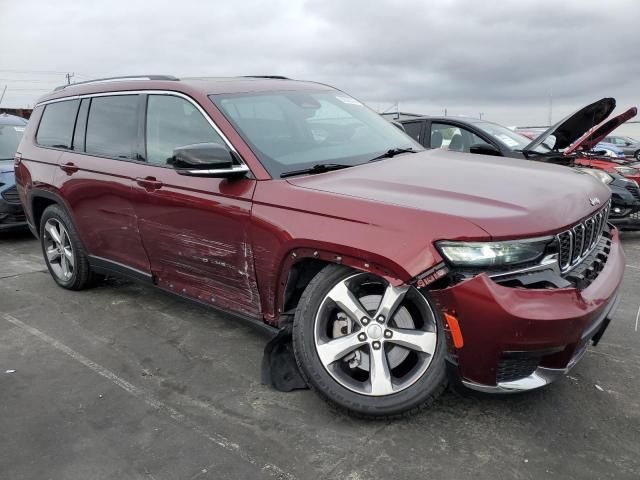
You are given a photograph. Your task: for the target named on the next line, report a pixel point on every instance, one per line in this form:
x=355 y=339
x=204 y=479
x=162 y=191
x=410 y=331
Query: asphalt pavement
x=125 y=382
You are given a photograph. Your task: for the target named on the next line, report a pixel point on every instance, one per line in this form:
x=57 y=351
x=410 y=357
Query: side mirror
x=206 y=160
x=485 y=149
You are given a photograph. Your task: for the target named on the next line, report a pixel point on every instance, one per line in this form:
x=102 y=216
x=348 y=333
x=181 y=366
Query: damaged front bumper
x=518 y=338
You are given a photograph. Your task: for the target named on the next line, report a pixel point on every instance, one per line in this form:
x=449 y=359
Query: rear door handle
x=69 y=167
x=150 y=183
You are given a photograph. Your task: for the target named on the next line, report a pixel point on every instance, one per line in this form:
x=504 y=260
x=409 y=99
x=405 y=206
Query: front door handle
x=149 y=183
x=69 y=167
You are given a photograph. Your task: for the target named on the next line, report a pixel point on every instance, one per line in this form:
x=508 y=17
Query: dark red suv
x=276 y=199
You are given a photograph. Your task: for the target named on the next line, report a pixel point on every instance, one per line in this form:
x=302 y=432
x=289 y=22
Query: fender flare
x=391 y=272
x=35 y=193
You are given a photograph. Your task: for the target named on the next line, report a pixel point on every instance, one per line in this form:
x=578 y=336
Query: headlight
x=604 y=177
x=626 y=170
x=489 y=254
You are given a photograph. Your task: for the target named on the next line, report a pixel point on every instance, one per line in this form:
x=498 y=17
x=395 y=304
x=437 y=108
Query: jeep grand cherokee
x=275 y=199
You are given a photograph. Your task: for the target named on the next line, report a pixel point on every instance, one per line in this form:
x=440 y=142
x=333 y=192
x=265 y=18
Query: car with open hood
x=565 y=143
x=291 y=204
x=11 y=213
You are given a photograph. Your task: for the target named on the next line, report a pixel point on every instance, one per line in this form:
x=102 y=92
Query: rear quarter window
x=56 y=125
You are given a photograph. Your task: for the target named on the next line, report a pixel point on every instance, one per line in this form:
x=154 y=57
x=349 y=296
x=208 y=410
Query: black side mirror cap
x=207 y=160
x=485 y=149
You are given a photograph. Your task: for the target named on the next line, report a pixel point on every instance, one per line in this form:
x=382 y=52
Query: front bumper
x=11 y=216
x=546 y=329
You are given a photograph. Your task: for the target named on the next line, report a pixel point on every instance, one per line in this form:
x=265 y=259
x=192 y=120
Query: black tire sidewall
x=422 y=392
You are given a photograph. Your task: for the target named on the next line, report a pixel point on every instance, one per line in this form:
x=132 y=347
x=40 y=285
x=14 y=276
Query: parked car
x=11 y=213
x=276 y=200
x=605 y=149
x=629 y=146
x=471 y=135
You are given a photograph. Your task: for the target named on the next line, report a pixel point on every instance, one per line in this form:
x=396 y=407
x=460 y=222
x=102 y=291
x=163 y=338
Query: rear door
x=95 y=179
x=195 y=229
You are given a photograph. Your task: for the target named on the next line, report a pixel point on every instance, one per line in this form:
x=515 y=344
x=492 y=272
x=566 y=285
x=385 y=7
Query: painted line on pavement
x=148 y=398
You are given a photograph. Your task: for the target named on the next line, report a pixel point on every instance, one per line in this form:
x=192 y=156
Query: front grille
x=510 y=369
x=577 y=242
x=11 y=195
x=634 y=190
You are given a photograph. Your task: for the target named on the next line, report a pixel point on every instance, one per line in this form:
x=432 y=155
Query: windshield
x=10 y=136
x=512 y=140
x=296 y=130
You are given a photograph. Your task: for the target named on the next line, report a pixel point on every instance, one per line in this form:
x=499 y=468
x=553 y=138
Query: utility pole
x=445 y=112
x=3 y=92
x=69 y=77
x=481 y=114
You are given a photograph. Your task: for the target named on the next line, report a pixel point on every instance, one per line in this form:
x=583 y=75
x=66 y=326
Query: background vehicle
x=276 y=200
x=605 y=149
x=629 y=146
x=11 y=213
x=472 y=135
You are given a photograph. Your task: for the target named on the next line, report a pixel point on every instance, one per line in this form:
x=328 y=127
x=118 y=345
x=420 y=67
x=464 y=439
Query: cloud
x=501 y=58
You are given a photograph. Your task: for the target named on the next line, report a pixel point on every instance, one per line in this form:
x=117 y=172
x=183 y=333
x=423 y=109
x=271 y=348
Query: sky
x=504 y=59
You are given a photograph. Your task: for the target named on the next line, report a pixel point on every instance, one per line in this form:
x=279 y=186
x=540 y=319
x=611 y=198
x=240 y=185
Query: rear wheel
x=64 y=254
x=369 y=347
x=637 y=155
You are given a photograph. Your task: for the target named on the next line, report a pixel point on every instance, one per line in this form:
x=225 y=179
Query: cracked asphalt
x=126 y=382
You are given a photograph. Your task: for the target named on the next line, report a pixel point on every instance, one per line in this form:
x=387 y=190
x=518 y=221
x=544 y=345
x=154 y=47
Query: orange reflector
x=454 y=327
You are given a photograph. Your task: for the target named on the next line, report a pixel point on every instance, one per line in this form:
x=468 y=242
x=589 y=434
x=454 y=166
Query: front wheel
x=368 y=347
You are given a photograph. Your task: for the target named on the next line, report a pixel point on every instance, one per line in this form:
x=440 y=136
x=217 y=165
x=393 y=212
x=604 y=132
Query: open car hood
x=594 y=136
x=571 y=128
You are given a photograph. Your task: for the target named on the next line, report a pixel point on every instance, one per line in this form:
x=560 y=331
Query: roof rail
x=273 y=77
x=115 y=79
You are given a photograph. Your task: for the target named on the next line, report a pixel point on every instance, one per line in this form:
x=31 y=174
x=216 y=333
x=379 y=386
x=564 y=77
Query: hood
x=571 y=128
x=594 y=136
x=506 y=197
x=6 y=166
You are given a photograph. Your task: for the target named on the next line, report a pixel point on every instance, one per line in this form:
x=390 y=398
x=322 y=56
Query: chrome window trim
x=151 y=92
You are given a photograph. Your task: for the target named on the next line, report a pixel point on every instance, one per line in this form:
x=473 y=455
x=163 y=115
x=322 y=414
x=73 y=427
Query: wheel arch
x=39 y=200
x=301 y=265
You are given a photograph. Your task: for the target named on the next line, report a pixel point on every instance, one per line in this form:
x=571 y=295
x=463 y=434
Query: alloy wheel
x=58 y=250
x=374 y=338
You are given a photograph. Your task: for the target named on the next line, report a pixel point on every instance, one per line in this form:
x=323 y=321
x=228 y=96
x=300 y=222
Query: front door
x=194 y=229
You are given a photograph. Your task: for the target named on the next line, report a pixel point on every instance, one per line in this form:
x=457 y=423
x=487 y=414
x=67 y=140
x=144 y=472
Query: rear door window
x=112 y=127
x=174 y=122
x=56 y=126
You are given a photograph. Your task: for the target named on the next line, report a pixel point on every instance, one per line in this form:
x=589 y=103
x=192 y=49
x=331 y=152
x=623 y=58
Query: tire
x=412 y=379
x=637 y=155
x=77 y=275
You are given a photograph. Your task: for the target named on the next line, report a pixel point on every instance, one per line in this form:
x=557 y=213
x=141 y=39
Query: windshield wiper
x=392 y=153
x=317 y=168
